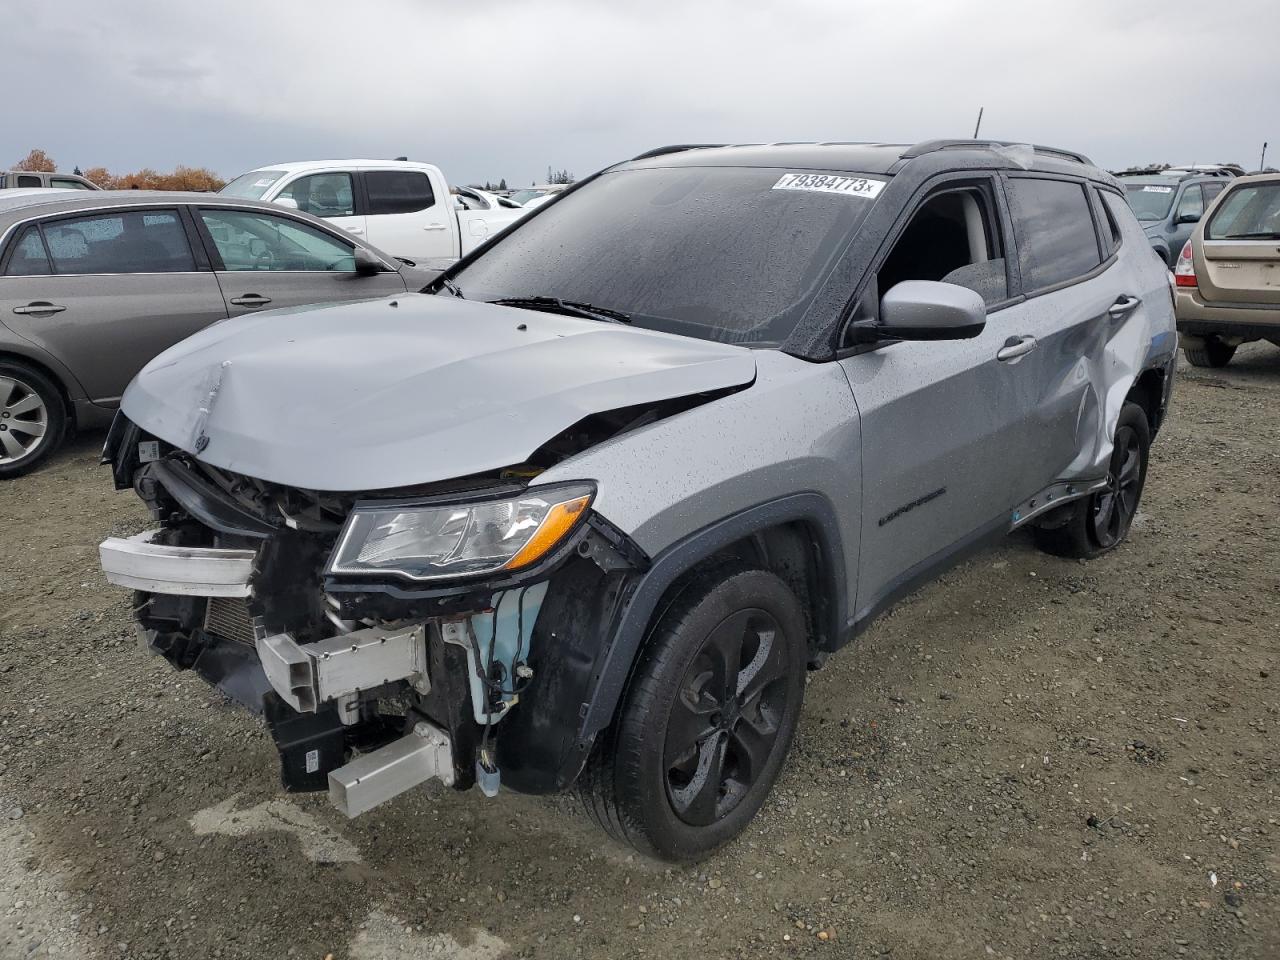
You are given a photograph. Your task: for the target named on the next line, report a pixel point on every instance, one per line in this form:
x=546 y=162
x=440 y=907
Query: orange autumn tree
x=37 y=161
x=182 y=177
x=99 y=175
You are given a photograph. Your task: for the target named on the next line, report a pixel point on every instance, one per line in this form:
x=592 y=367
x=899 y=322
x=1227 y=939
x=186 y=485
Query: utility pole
x=978 y=126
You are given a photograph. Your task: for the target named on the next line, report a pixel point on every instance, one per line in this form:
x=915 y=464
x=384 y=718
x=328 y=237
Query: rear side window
x=153 y=241
x=28 y=258
x=1111 y=236
x=1247 y=213
x=65 y=184
x=1054 y=228
x=28 y=180
x=398 y=191
x=322 y=195
x=1211 y=191
x=1117 y=210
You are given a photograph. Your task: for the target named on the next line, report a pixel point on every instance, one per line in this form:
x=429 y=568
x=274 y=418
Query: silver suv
x=582 y=516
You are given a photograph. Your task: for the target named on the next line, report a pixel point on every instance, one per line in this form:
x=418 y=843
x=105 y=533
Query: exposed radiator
x=229 y=619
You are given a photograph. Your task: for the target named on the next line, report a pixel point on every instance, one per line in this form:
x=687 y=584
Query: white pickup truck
x=400 y=206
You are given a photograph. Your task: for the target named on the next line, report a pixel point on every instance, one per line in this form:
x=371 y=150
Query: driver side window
x=322 y=195
x=952 y=237
x=259 y=241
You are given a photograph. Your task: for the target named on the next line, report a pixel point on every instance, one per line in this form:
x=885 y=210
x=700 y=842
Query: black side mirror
x=366 y=263
x=1188 y=218
x=928 y=310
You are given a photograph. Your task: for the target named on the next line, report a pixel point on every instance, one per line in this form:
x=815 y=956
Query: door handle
x=435 y=226
x=357 y=231
x=39 y=307
x=1124 y=306
x=1016 y=347
x=250 y=300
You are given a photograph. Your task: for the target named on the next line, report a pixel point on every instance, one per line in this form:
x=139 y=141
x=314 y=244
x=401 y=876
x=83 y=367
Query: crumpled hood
x=406 y=390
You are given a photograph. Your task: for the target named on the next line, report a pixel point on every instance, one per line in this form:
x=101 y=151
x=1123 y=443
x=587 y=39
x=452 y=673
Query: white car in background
x=473 y=198
x=401 y=206
x=537 y=195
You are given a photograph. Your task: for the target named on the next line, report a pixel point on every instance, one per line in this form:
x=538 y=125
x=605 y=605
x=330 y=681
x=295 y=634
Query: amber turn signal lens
x=560 y=519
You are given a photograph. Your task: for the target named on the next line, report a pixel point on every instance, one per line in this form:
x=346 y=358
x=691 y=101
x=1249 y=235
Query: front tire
x=1214 y=353
x=1101 y=521
x=706 y=720
x=33 y=418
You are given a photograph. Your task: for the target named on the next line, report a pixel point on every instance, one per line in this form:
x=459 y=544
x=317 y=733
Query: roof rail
x=1180 y=173
x=675 y=148
x=930 y=146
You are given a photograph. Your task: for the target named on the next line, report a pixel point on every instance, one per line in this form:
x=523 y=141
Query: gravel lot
x=1029 y=758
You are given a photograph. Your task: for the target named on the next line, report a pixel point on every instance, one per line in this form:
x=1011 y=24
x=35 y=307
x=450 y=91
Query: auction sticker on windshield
x=1149 y=189
x=830 y=183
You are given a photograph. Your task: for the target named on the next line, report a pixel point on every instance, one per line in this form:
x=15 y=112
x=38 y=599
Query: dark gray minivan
x=95 y=284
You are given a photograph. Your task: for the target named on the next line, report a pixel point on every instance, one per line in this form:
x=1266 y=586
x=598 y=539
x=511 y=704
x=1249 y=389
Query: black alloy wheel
x=707 y=717
x=1101 y=521
x=1115 y=505
x=726 y=716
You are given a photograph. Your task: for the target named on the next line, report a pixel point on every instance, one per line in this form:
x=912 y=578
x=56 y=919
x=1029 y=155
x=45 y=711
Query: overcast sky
x=505 y=88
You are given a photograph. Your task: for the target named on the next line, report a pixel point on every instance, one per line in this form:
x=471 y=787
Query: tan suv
x=1228 y=274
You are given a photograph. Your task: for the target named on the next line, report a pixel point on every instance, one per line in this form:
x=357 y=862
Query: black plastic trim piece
x=675 y=148
x=637 y=615
x=204 y=501
x=926 y=570
x=1255 y=331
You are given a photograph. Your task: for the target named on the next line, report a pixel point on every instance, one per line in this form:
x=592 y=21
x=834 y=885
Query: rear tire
x=1100 y=522
x=33 y=418
x=706 y=720
x=1214 y=353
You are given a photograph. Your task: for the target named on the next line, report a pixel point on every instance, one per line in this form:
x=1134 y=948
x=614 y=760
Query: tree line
x=182 y=177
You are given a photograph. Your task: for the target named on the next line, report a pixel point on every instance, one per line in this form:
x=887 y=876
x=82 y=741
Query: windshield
x=524 y=196
x=733 y=254
x=1248 y=213
x=1150 y=201
x=251 y=185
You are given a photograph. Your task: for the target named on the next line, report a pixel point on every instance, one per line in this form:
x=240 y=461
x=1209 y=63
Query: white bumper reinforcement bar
x=140 y=564
x=309 y=674
x=374 y=778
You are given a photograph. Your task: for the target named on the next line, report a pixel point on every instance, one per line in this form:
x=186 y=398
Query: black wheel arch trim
x=636 y=617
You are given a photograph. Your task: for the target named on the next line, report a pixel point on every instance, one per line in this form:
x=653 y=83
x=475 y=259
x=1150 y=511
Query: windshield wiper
x=570 y=308
x=451 y=287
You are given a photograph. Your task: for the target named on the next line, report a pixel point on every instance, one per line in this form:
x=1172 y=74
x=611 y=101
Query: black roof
x=873 y=158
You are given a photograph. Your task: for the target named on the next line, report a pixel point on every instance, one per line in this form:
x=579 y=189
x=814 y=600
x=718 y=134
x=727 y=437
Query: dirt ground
x=1029 y=758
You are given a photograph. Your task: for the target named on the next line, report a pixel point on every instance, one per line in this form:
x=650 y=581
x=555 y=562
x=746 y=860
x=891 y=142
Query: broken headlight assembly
x=426 y=541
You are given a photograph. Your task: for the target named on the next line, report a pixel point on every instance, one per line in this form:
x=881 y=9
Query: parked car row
x=582 y=514
x=1169 y=205
x=401 y=206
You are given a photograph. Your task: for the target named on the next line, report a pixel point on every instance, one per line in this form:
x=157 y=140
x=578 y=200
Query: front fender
x=593 y=625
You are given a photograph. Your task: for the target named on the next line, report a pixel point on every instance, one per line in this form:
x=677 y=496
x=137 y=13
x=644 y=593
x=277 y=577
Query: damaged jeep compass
x=582 y=513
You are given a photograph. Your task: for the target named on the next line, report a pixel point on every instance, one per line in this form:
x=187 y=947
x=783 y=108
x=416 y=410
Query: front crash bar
x=373 y=778
x=139 y=563
x=306 y=675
